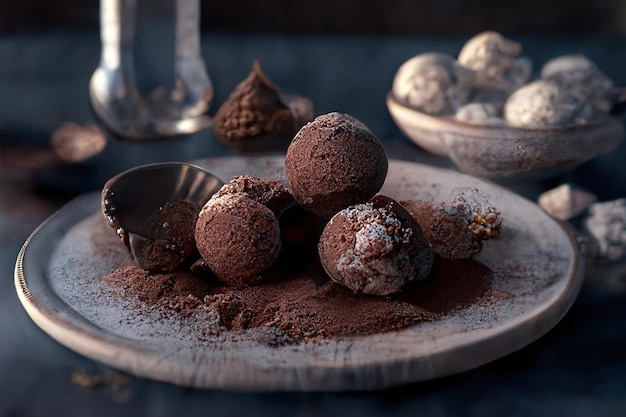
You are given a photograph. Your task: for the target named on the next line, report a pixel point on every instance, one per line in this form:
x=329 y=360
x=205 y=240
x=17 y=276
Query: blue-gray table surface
x=577 y=369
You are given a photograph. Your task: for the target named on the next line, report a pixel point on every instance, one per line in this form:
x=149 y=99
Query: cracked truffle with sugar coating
x=238 y=238
x=375 y=248
x=333 y=162
x=456 y=228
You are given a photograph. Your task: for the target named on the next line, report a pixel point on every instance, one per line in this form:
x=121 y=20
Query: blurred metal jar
x=152 y=80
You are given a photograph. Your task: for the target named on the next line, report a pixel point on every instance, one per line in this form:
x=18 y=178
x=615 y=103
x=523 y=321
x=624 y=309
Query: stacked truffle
x=335 y=167
x=490 y=83
x=334 y=162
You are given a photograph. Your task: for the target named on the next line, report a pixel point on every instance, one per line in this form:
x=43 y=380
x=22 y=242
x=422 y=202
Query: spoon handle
x=172 y=108
x=192 y=81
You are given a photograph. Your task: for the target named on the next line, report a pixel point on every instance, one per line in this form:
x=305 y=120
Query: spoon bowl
x=129 y=198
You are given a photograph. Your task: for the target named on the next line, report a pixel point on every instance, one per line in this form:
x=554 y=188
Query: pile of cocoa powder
x=301 y=303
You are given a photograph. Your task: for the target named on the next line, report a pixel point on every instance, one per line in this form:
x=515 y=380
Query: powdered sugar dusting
x=369 y=248
x=376 y=226
x=371 y=234
x=224 y=202
x=348 y=261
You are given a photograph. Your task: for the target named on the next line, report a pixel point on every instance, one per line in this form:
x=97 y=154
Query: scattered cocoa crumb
x=85 y=380
x=180 y=291
x=72 y=142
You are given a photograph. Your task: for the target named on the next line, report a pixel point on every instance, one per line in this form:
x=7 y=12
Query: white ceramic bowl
x=505 y=151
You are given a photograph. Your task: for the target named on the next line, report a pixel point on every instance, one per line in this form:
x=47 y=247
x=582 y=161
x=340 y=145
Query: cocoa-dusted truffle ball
x=376 y=248
x=457 y=228
x=446 y=228
x=334 y=162
x=238 y=238
x=166 y=239
x=255 y=111
x=270 y=192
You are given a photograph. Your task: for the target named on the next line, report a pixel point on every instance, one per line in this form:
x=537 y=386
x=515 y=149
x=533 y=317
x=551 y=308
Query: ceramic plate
x=537 y=272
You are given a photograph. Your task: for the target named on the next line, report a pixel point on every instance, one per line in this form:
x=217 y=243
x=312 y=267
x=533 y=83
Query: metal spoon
x=178 y=105
x=131 y=197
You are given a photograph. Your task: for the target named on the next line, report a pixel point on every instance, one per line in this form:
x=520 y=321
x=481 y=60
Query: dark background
x=407 y=17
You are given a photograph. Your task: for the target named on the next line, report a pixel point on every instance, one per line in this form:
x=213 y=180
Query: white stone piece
x=566 y=201
x=605 y=230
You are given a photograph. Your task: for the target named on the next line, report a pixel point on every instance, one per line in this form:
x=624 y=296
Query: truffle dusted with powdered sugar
x=238 y=238
x=375 y=248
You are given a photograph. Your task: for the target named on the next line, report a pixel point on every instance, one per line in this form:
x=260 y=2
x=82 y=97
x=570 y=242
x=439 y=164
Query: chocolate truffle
x=496 y=61
x=546 y=103
x=433 y=83
x=456 y=228
x=166 y=239
x=255 y=117
x=580 y=75
x=270 y=192
x=334 y=162
x=238 y=238
x=375 y=248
